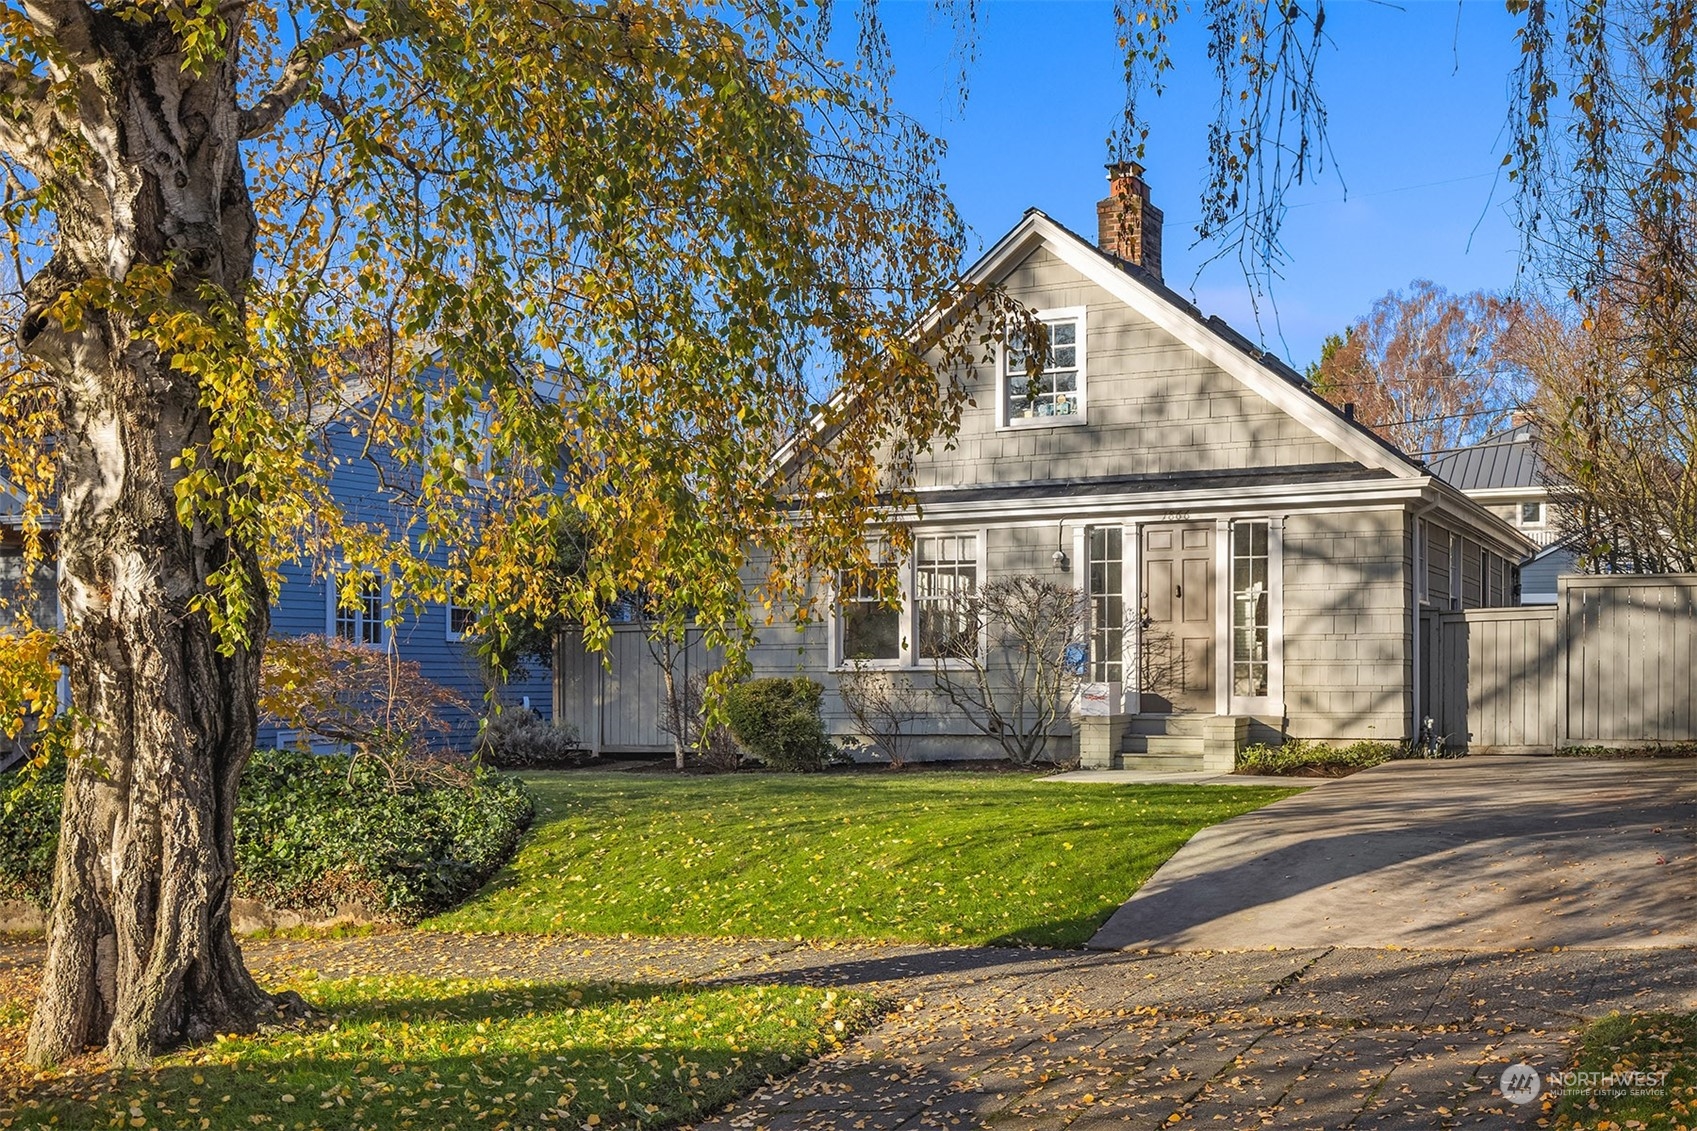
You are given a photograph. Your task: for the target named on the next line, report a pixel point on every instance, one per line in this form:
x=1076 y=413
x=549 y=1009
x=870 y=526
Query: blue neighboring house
x=436 y=638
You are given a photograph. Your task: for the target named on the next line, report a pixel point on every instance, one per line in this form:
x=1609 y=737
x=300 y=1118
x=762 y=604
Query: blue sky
x=1417 y=100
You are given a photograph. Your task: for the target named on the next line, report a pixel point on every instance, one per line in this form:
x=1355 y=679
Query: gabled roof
x=1211 y=337
x=1500 y=461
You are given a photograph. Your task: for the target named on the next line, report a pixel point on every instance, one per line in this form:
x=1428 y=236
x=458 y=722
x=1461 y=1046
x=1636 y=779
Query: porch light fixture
x=1060 y=560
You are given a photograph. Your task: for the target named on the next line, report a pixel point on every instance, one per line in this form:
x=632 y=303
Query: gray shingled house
x=1504 y=473
x=1194 y=487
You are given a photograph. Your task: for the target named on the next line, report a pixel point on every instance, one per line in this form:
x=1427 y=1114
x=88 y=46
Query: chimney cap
x=1119 y=169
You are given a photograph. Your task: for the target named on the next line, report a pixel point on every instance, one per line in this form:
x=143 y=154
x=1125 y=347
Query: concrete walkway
x=1197 y=777
x=992 y=1037
x=1487 y=853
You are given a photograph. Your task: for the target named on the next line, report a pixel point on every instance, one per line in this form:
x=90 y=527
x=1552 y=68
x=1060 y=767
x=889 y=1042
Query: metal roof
x=1499 y=461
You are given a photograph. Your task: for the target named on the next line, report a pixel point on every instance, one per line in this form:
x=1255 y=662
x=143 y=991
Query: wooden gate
x=1612 y=663
x=618 y=706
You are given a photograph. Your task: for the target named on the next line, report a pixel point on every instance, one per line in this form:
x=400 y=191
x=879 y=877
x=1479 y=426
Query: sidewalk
x=1286 y=1039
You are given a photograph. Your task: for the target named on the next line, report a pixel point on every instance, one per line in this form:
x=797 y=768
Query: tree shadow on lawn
x=523 y=1054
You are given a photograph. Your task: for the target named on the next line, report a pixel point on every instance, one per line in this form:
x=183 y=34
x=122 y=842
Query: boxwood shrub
x=313 y=838
x=778 y=721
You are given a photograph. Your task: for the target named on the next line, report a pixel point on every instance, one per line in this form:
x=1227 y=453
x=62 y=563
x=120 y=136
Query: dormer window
x=1056 y=395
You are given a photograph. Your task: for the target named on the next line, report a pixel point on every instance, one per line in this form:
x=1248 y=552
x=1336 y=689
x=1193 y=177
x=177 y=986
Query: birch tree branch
x=298 y=74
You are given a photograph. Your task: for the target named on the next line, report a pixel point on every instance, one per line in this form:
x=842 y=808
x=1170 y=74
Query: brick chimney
x=1128 y=227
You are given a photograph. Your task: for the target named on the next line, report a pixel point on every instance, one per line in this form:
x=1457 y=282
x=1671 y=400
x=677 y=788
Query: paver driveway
x=1485 y=853
x=1004 y=1038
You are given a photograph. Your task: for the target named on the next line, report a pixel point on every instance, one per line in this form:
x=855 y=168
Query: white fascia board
x=1489 y=495
x=1472 y=514
x=1256 y=499
x=1251 y=373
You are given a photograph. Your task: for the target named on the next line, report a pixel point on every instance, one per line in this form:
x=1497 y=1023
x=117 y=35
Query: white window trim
x=1004 y=421
x=1271 y=703
x=908 y=571
x=448 y=629
x=332 y=591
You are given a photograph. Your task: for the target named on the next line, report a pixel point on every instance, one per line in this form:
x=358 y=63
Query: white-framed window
x=1455 y=573
x=1531 y=514
x=1056 y=395
x=1251 y=622
x=931 y=621
x=868 y=629
x=462 y=618
x=1105 y=586
x=361 y=622
x=945 y=572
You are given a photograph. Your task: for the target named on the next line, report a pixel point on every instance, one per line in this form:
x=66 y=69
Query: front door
x=1177 y=647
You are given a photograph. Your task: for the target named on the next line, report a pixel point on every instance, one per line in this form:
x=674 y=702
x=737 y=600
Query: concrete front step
x=1193 y=763
x=1163 y=744
x=1167 y=724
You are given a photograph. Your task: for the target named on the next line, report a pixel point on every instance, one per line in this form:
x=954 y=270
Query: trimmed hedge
x=308 y=839
x=778 y=721
x=1299 y=758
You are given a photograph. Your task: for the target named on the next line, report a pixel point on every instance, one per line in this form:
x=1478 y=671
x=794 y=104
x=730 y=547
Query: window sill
x=911 y=668
x=1070 y=420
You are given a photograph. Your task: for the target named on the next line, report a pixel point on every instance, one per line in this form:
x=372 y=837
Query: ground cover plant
x=1296 y=758
x=315 y=834
x=1605 y=1094
x=406 y=1051
x=925 y=857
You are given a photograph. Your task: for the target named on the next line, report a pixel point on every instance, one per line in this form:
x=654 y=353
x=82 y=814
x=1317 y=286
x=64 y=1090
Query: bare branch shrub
x=1004 y=663
x=884 y=708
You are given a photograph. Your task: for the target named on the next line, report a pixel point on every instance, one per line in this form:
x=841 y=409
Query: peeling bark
x=140 y=952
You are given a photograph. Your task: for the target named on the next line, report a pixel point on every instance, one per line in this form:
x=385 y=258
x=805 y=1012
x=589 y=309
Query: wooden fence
x=618 y=706
x=1612 y=663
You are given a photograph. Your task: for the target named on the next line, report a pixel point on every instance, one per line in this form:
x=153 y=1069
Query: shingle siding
x=1152 y=405
x=1346 y=625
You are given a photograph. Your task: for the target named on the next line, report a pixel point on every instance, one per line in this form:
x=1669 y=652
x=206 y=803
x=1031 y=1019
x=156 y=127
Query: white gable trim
x=1036 y=228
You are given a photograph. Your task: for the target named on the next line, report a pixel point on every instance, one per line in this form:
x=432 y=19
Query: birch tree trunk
x=140 y=953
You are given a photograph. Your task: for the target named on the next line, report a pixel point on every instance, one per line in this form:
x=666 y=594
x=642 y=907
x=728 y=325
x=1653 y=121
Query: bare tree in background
x=1424 y=369
x=1003 y=659
x=1617 y=432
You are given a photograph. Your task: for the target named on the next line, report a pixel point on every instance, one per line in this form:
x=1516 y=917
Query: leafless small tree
x=884 y=708
x=684 y=717
x=1001 y=656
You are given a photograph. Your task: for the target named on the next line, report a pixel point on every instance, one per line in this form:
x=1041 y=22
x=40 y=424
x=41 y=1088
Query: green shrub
x=313 y=836
x=778 y=721
x=517 y=739
x=29 y=832
x=1297 y=757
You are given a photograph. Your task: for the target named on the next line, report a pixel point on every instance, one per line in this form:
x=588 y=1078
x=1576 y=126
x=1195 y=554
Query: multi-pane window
x=1107 y=604
x=361 y=622
x=1249 y=609
x=870 y=629
x=462 y=618
x=1055 y=391
x=945 y=571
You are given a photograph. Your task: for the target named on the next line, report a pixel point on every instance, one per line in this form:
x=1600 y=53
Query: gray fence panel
x=1630 y=651
x=617 y=703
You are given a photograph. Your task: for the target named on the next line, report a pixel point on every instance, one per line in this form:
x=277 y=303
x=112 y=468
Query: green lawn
x=1605 y=1094
x=926 y=857
x=406 y=1052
